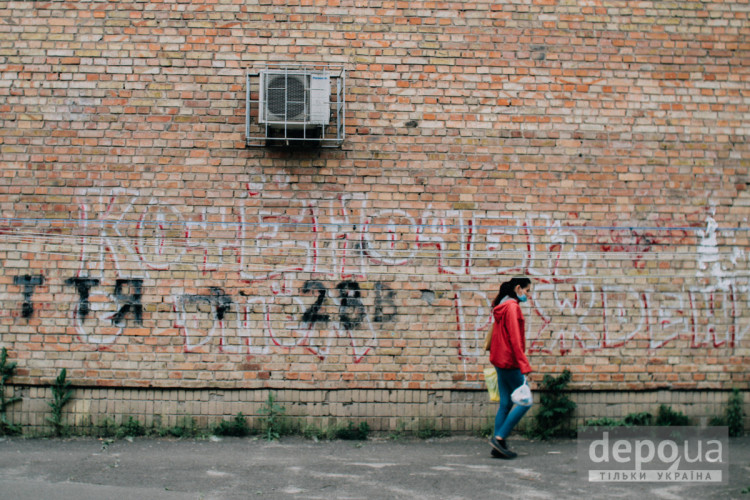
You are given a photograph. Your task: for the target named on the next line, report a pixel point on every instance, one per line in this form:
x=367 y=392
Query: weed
x=61 y=393
x=605 y=422
x=314 y=432
x=400 y=432
x=487 y=429
x=642 y=418
x=735 y=414
x=107 y=428
x=427 y=430
x=156 y=425
x=352 y=433
x=669 y=417
x=274 y=420
x=556 y=409
x=131 y=428
x=6 y=370
x=237 y=427
x=9 y=429
x=630 y=420
x=718 y=421
x=187 y=428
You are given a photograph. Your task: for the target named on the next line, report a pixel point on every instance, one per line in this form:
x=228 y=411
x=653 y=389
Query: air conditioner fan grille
x=286 y=97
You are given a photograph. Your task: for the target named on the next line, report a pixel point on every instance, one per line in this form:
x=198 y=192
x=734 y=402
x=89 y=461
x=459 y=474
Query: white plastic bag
x=522 y=395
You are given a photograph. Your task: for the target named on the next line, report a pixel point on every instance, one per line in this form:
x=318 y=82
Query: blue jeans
x=508 y=415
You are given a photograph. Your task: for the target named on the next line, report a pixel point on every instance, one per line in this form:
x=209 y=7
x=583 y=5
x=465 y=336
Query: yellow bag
x=490 y=378
x=488 y=339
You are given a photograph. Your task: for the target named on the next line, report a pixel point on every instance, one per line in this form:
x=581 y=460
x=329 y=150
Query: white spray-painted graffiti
x=314 y=258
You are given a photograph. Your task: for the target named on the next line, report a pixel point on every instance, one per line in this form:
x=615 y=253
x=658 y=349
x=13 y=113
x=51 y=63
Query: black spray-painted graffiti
x=29 y=283
x=351 y=308
x=316 y=317
x=341 y=308
x=84 y=286
x=385 y=307
x=312 y=314
x=218 y=301
x=129 y=303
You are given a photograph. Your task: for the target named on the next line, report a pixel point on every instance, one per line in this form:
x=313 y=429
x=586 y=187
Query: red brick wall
x=598 y=147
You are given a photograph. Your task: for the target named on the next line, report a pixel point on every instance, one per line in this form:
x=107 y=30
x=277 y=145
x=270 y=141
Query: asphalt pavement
x=297 y=468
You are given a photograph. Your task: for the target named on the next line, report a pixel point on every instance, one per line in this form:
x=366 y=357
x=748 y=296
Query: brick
x=596 y=153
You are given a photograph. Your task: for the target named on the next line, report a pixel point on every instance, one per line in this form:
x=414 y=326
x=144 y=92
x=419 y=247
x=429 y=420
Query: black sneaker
x=499 y=450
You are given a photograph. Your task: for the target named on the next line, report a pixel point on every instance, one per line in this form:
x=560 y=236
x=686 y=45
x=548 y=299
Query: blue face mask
x=522 y=298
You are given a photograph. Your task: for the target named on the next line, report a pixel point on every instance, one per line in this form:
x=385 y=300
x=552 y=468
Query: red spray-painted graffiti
x=584 y=297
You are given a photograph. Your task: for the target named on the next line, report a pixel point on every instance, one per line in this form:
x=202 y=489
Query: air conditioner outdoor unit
x=294 y=99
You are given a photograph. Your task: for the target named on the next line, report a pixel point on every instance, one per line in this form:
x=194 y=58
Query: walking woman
x=507 y=355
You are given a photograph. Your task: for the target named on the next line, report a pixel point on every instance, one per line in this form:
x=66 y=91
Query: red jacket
x=508 y=337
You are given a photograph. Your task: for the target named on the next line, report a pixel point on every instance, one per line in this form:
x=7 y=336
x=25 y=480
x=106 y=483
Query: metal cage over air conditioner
x=295 y=105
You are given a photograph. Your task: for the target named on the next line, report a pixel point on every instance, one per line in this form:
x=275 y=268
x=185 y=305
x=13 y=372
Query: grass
x=665 y=417
x=186 y=428
x=352 y=432
x=238 y=427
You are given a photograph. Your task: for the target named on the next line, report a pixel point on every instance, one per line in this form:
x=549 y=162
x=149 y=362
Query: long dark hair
x=508 y=289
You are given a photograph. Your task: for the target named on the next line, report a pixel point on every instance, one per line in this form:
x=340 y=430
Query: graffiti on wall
x=28 y=283
x=327 y=269
x=261 y=322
